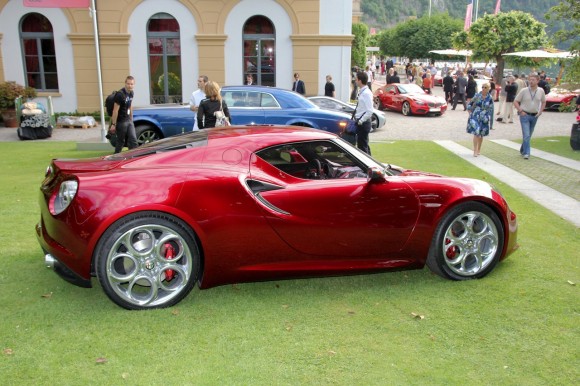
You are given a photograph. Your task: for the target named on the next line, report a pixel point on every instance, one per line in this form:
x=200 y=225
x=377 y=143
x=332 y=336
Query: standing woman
x=480 y=117
x=213 y=103
x=428 y=83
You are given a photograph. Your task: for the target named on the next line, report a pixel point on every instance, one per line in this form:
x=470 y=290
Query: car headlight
x=66 y=192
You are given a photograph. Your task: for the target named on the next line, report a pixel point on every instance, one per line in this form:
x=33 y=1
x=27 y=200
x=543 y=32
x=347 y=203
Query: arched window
x=164 y=59
x=259 y=39
x=37 y=42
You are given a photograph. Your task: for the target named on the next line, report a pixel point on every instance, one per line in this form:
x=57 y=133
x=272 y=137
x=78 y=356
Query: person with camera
x=363 y=112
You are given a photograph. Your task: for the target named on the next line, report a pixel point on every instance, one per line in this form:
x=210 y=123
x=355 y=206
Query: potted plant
x=9 y=91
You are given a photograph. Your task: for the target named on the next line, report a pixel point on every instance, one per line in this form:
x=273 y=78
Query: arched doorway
x=164 y=51
x=259 y=39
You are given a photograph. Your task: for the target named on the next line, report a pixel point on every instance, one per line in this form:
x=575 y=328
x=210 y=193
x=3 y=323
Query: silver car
x=378 y=119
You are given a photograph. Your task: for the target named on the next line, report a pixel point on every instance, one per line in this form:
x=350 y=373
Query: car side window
x=268 y=101
x=320 y=160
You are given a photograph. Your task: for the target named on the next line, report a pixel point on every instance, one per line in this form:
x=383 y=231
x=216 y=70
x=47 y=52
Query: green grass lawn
x=518 y=326
x=557 y=145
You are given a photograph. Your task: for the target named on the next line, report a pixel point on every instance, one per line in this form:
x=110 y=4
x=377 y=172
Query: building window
x=259 y=39
x=37 y=42
x=164 y=59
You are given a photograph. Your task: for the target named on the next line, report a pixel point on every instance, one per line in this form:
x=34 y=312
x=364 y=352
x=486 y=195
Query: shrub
x=11 y=90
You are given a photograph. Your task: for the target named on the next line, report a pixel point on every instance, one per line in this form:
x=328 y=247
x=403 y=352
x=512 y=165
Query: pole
x=430 y=8
x=93 y=11
x=476 y=9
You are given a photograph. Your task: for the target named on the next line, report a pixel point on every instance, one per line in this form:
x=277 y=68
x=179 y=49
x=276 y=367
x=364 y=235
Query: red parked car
x=408 y=99
x=245 y=203
x=559 y=96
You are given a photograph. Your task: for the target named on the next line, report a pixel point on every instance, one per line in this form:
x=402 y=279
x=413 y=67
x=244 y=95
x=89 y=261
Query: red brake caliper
x=169 y=254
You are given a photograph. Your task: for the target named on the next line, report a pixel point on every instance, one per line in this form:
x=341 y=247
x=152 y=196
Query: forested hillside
x=383 y=14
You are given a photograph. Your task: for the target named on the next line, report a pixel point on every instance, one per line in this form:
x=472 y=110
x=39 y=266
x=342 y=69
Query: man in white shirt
x=363 y=112
x=530 y=104
x=196 y=97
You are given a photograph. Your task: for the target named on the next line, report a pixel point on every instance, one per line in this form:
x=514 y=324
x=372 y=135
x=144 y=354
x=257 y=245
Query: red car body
x=409 y=99
x=560 y=96
x=244 y=204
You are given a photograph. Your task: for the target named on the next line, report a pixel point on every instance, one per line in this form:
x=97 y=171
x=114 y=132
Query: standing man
x=363 y=112
x=530 y=103
x=196 y=97
x=298 y=85
x=122 y=119
x=460 y=86
x=329 y=89
x=448 y=87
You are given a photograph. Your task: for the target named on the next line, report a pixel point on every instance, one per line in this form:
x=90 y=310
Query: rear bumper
x=58 y=267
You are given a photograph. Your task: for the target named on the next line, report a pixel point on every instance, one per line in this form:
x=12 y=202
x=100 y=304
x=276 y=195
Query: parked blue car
x=248 y=105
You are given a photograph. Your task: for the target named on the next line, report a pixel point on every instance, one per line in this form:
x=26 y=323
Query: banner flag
x=468 y=13
x=497 y=5
x=57 y=3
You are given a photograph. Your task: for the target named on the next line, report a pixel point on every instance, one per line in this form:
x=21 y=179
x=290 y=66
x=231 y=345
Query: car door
x=339 y=217
x=391 y=97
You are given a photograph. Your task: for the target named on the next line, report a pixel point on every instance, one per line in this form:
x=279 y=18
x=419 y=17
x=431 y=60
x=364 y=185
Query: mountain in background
x=385 y=14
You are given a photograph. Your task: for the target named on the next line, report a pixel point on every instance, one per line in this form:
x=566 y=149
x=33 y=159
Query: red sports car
x=408 y=99
x=559 y=96
x=243 y=204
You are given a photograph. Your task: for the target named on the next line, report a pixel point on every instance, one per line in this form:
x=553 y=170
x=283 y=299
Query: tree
x=491 y=36
x=415 y=38
x=569 y=11
x=359 y=44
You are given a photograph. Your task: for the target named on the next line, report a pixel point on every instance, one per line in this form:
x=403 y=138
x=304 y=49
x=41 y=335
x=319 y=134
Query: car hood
x=425 y=97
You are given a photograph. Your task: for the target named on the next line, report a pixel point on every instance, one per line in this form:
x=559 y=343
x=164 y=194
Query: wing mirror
x=376 y=175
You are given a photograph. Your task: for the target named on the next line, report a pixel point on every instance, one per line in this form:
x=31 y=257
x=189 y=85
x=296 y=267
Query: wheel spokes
x=470 y=243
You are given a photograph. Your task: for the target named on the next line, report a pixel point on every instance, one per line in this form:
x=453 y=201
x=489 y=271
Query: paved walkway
x=563 y=205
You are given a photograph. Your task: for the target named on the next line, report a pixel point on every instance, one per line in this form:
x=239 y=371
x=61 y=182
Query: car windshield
x=183 y=141
x=410 y=88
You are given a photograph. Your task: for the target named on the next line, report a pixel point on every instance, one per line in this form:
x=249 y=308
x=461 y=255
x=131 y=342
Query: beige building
x=167 y=44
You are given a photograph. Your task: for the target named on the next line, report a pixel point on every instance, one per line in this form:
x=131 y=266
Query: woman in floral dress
x=480 y=117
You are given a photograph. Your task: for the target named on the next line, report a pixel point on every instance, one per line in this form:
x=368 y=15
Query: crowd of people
x=518 y=95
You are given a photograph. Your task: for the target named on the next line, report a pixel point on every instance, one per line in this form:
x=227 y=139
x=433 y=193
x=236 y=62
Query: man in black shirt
x=329 y=90
x=122 y=119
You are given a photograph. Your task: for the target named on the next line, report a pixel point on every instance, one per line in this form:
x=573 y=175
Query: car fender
x=148 y=120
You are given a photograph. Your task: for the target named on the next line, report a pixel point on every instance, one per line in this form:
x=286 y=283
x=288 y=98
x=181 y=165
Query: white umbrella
x=541 y=54
x=452 y=52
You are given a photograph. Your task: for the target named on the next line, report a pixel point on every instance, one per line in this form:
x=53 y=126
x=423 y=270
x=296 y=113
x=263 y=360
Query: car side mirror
x=376 y=175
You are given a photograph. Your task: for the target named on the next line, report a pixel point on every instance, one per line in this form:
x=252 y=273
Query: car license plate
x=435 y=109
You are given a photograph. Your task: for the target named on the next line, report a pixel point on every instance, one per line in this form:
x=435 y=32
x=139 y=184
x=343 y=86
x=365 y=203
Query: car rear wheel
x=377 y=104
x=147 y=260
x=146 y=134
x=467 y=243
x=374 y=122
x=406 y=110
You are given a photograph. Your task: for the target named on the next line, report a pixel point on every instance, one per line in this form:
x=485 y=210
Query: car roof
x=257 y=137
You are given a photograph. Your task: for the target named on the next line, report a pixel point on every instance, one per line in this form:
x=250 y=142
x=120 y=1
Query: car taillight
x=66 y=192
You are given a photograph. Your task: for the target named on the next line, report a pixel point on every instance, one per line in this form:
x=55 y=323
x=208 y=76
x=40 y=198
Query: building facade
x=167 y=44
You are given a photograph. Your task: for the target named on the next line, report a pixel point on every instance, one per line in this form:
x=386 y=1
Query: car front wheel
x=146 y=134
x=374 y=122
x=467 y=243
x=147 y=260
x=406 y=110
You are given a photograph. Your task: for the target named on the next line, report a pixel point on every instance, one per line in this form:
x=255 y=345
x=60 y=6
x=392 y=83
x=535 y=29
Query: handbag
x=220 y=118
x=352 y=124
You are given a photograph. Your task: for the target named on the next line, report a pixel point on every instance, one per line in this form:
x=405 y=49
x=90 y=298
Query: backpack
x=110 y=103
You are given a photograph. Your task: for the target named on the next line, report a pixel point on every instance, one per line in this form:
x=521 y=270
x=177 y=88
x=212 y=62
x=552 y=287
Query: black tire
x=406 y=109
x=378 y=104
x=147 y=133
x=467 y=243
x=147 y=260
